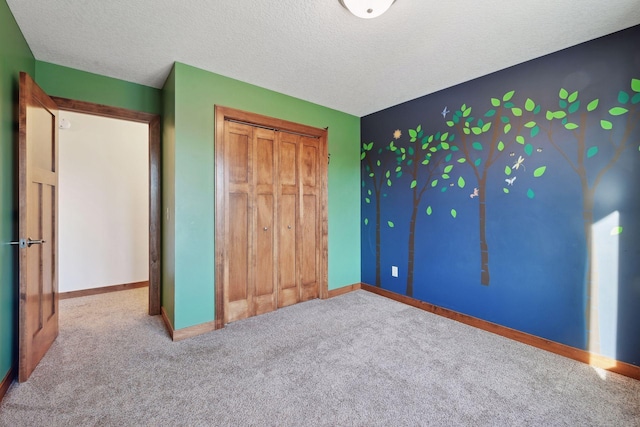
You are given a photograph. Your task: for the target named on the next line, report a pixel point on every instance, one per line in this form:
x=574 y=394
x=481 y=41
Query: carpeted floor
x=354 y=360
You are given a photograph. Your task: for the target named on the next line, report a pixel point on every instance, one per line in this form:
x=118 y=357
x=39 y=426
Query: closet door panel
x=238 y=149
x=265 y=275
x=238 y=280
x=310 y=219
x=287 y=251
x=264 y=164
x=264 y=296
x=309 y=164
x=288 y=161
x=309 y=244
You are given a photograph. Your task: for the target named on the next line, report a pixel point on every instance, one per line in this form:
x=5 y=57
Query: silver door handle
x=35 y=242
x=26 y=243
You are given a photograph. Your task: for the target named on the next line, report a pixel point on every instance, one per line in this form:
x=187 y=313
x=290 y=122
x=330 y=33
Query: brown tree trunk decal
x=570 y=105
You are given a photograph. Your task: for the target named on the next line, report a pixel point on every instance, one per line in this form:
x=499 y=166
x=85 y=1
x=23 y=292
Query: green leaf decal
x=549 y=115
x=516 y=111
x=476 y=130
x=563 y=94
x=363 y=155
x=606 y=125
x=506 y=190
x=369 y=192
x=635 y=99
x=537 y=109
x=571 y=126
x=462 y=160
x=535 y=131
x=450 y=123
x=530 y=194
x=593 y=105
x=507 y=96
x=615 y=231
x=390 y=224
x=448 y=168
x=635 y=85
x=504 y=119
x=367 y=200
x=477 y=162
x=454 y=213
x=528 y=149
x=445 y=145
x=413 y=133
x=529 y=105
x=448 y=158
x=592 y=152
x=366 y=221
x=539 y=172
x=559 y=114
x=490 y=113
x=530 y=124
x=520 y=139
x=477 y=146
x=507 y=128
x=617 y=111
x=500 y=146
x=623 y=97
x=495 y=102
x=388 y=174
x=573 y=97
x=445 y=176
x=414 y=183
x=486 y=127
x=461 y=182
x=574 y=107
x=507 y=170
x=429 y=210
x=434 y=182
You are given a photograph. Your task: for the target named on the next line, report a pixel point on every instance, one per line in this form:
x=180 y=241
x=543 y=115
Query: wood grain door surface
x=272 y=219
x=38 y=218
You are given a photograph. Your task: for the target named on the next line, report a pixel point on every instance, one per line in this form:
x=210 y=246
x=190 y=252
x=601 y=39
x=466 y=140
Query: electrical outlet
x=394 y=271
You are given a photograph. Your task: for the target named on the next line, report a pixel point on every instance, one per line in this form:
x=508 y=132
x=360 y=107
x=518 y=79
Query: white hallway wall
x=103 y=202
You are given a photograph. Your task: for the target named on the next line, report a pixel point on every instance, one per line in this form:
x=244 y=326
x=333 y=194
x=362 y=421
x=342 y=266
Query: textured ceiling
x=314 y=49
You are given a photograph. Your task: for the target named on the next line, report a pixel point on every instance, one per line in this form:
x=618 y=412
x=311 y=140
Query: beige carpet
x=355 y=360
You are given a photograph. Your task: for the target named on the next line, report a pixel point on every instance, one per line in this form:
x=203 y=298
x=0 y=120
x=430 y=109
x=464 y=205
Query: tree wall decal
x=378 y=178
x=482 y=142
x=426 y=165
x=572 y=122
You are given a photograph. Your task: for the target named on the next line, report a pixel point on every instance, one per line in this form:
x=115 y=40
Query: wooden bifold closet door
x=272 y=200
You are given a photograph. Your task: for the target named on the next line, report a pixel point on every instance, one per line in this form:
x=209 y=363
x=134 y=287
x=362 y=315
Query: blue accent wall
x=514 y=197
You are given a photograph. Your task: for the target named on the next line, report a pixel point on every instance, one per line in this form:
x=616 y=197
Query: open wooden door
x=38 y=219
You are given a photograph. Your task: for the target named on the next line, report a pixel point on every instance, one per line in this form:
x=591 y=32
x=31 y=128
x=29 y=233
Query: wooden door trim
x=155 y=208
x=225 y=113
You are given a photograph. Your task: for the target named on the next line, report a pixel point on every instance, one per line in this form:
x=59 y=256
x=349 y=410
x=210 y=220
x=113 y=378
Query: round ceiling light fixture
x=367 y=8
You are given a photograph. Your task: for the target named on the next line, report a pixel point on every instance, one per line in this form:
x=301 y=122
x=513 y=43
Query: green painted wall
x=168 y=194
x=15 y=56
x=196 y=93
x=67 y=82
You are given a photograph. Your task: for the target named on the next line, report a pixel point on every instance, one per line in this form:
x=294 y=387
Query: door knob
x=26 y=243
x=266 y=228
x=289 y=227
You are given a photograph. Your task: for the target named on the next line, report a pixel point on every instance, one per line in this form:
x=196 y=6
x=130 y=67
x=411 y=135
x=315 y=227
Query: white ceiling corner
x=314 y=50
